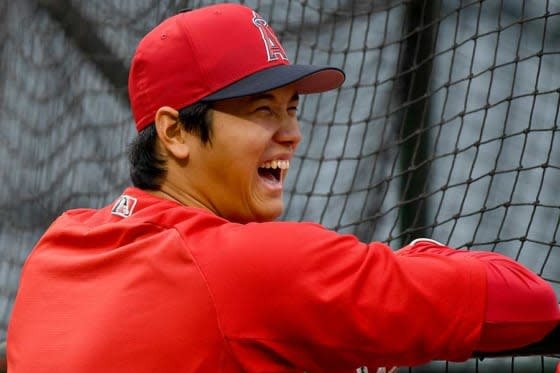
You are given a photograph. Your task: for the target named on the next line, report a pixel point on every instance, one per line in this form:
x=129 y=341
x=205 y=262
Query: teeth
x=280 y=163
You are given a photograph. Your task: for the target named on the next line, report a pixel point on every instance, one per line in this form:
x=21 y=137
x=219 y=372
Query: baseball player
x=188 y=271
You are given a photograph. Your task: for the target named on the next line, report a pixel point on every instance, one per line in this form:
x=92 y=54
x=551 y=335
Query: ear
x=171 y=133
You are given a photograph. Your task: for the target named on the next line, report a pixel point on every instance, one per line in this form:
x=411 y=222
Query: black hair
x=146 y=167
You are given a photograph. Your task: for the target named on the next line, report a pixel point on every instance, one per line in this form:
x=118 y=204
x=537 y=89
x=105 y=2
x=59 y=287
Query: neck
x=182 y=197
x=165 y=195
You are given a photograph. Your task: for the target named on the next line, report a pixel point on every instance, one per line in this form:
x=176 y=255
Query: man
x=188 y=271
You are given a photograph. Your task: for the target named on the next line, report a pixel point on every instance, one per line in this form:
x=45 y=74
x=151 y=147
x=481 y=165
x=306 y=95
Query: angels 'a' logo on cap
x=124 y=206
x=274 y=49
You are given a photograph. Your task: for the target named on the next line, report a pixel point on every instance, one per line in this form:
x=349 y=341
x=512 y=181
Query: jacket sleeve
x=298 y=296
x=521 y=307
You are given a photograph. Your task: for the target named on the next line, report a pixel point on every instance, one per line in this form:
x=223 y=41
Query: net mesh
x=446 y=126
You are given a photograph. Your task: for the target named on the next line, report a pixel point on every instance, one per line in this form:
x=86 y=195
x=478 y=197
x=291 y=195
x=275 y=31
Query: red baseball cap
x=214 y=53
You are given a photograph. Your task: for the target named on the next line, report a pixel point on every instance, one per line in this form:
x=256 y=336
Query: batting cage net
x=446 y=127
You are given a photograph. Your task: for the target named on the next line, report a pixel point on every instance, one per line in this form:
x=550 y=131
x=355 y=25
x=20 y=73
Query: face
x=240 y=175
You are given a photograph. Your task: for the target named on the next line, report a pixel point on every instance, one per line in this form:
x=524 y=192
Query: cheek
x=235 y=167
x=245 y=151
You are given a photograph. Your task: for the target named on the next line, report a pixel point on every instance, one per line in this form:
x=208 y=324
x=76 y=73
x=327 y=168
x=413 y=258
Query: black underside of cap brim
x=308 y=79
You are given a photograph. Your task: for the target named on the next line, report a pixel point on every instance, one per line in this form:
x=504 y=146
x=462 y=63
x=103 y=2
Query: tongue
x=268 y=175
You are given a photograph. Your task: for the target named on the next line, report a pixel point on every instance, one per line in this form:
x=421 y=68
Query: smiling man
x=239 y=173
x=188 y=271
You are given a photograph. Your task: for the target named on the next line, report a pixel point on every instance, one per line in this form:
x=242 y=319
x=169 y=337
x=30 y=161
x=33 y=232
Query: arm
x=521 y=307
x=549 y=345
x=298 y=295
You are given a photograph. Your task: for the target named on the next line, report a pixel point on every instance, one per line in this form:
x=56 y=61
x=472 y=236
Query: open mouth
x=272 y=171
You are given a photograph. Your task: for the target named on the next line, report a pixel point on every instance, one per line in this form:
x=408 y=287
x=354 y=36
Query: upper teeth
x=281 y=164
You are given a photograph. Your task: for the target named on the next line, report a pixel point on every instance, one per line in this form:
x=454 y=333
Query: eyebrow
x=270 y=96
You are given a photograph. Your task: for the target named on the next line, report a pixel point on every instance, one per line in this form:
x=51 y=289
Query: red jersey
x=149 y=285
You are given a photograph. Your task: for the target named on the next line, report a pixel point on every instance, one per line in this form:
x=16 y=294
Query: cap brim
x=308 y=79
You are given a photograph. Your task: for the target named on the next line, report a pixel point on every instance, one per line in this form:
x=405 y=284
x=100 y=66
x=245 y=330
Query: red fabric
x=171 y=288
x=218 y=45
x=521 y=307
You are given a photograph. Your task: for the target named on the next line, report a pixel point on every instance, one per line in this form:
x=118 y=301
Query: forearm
x=521 y=307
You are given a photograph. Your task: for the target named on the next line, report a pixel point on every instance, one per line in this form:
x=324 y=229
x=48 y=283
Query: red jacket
x=148 y=285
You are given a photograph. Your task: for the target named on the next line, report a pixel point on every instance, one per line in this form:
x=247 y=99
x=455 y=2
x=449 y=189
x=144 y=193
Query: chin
x=255 y=216
x=268 y=217
x=269 y=214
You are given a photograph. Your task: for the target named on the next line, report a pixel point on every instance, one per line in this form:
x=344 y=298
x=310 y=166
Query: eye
x=264 y=109
x=293 y=111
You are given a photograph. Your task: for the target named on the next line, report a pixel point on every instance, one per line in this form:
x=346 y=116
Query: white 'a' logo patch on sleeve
x=124 y=206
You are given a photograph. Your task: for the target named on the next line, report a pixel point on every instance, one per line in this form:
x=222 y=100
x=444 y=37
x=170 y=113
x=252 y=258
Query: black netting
x=446 y=127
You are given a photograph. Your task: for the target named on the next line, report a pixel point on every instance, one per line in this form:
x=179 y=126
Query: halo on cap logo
x=274 y=49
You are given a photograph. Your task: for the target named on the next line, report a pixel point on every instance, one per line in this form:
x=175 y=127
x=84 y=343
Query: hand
x=387 y=370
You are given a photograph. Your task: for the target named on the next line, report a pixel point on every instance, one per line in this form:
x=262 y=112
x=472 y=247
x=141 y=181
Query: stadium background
x=446 y=127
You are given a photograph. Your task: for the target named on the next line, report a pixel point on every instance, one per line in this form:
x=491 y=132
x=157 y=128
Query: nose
x=289 y=133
